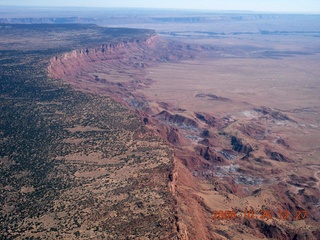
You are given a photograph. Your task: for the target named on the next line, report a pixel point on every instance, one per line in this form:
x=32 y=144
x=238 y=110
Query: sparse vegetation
x=65 y=157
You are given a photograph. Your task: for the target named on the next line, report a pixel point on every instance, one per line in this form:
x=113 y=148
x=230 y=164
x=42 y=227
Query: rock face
x=80 y=68
x=204 y=160
x=176 y=119
x=277 y=156
x=274 y=114
x=66 y=64
x=238 y=146
x=76 y=165
x=209 y=155
x=116 y=68
x=253 y=130
x=210 y=120
x=173 y=136
x=136 y=53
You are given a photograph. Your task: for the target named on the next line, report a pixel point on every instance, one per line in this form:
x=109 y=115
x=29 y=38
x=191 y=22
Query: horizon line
x=165 y=9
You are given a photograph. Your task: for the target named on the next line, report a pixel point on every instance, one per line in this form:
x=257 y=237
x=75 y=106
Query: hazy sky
x=256 y=5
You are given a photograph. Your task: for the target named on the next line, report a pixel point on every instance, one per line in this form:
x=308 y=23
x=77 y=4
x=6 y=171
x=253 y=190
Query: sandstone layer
x=220 y=163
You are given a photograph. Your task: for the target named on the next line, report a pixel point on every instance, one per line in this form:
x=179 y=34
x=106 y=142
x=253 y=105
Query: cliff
x=69 y=63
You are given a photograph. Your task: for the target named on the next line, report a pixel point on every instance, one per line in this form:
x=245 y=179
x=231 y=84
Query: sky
x=296 y=6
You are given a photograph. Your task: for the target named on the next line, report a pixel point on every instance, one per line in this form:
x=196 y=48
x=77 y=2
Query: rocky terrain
x=220 y=162
x=76 y=165
x=90 y=148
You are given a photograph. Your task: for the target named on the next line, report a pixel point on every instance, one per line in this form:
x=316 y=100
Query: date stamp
x=262 y=214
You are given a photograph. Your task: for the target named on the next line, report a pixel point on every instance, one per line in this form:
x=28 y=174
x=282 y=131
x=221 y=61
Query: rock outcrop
x=176 y=119
x=238 y=146
x=206 y=118
x=277 y=156
x=272 y=113
x=208 y=154
x=70 y=62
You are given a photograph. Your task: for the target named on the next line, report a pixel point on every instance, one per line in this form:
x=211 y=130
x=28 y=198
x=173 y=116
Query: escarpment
x=117 y=67
x=217 y=159
x=190 y=142
x=115 y=70
x=68 y=63
x=135 y=53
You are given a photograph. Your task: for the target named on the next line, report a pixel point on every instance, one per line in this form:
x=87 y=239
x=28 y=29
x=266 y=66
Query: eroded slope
x=75 y=165
x=223 y=161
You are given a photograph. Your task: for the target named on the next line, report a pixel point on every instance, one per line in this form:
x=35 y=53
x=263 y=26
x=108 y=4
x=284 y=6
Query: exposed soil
x=221 y=162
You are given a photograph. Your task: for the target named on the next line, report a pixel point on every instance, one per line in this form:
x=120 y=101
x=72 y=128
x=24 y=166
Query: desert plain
x=207 y=114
